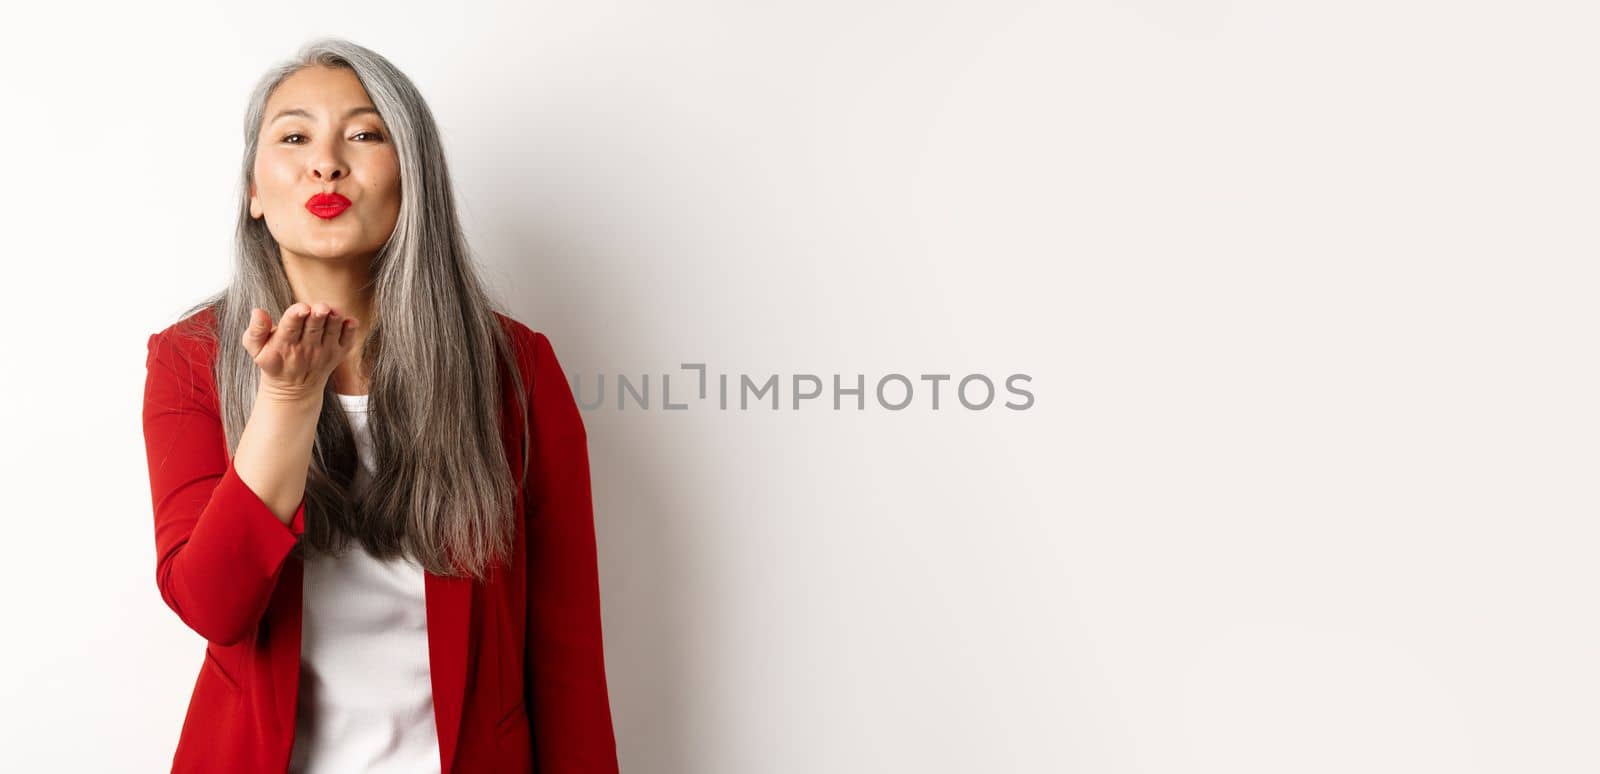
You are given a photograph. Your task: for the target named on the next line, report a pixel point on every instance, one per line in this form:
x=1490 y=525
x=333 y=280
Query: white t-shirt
x=366 y=690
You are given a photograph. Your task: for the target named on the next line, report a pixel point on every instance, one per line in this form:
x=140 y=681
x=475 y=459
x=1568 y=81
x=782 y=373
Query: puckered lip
x=327 y=201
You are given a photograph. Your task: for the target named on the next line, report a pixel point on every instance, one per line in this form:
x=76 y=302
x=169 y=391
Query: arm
x=565 y=666
x=219 y=546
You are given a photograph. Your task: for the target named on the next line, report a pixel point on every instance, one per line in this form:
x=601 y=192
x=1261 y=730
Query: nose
x=327 y=164
x=329 y=169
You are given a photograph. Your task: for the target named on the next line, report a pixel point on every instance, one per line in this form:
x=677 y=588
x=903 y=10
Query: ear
x=255 y=205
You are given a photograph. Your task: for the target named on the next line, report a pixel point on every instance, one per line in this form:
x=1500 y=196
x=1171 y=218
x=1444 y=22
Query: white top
x=366 y=690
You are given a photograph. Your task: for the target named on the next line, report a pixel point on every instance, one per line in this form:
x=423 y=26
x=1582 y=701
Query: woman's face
x=321 y=134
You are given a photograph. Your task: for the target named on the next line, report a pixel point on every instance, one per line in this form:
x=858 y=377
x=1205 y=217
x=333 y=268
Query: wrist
x=289 y=399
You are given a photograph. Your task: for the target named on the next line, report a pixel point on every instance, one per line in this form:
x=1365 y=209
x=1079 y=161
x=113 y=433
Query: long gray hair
x=435 y=351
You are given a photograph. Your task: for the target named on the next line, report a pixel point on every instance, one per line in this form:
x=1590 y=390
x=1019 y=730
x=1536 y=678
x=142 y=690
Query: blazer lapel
x=283 y=615
x=449 y=620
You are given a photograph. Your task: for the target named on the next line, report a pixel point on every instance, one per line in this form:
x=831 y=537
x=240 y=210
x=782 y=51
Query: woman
x=376 y=510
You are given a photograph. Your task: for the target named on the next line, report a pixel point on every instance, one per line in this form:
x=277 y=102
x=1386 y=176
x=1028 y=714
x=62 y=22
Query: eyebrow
x=355 y=111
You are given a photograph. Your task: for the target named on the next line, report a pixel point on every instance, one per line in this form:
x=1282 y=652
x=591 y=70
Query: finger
x=347 y=332
x=294 y=323
x=316 y=324
x=330 y=334
x=256 y=334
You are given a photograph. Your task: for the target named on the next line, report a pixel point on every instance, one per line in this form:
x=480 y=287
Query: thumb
x=259 y=330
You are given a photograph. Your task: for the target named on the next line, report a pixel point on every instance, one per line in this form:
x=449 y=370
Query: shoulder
x=554 y=407
x=533 y=348
x=519 y=333
x=191 y=340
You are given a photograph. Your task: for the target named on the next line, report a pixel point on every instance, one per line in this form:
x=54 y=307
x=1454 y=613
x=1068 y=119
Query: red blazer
x=519 y=683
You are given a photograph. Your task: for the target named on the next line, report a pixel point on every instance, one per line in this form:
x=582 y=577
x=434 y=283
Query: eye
x=375 y=135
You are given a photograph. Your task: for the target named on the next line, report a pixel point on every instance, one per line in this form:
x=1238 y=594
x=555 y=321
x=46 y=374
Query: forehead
x=318 y=90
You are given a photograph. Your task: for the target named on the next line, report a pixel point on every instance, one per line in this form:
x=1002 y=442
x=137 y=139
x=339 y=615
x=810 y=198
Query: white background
x=1306 y=290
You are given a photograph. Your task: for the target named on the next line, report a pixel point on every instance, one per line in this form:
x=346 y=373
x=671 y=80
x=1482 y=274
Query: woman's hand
x=298 y=355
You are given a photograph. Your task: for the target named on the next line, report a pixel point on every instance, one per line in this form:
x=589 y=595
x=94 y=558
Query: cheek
x=391 y=181
x=272 y=176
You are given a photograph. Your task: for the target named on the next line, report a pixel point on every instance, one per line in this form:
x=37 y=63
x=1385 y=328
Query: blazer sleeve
x=219 y=548
x=565 y=666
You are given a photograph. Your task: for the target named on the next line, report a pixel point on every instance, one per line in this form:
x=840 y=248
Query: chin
x=330 y=252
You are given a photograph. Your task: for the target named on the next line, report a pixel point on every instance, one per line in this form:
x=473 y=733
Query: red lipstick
x=327 y=205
